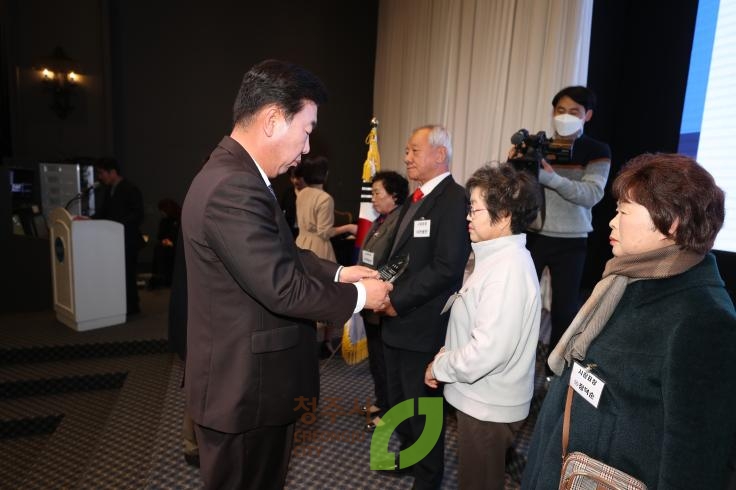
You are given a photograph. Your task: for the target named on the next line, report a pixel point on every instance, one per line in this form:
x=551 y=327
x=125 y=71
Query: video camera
x=530 y=149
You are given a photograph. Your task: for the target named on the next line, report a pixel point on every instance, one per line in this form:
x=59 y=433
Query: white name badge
x=586 y=384
x=421 y=228
x=367 y=257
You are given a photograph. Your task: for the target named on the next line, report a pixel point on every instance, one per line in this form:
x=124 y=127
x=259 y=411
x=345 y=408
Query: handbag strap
x=566 y=422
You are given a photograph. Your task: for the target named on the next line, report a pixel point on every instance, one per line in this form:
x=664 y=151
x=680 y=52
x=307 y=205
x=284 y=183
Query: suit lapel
x=423 y=211
x=241 y=155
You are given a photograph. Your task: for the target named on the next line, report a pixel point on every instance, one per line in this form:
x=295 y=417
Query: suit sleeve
x=241 y=228
x=318 y=267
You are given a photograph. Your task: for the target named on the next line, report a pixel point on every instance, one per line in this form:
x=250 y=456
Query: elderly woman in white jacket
x=489 y=355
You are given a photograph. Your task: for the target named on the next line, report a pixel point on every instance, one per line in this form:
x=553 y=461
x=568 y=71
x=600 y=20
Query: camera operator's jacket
x=574 y=188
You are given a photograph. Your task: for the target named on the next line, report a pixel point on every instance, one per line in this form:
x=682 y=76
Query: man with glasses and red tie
x=432 y=230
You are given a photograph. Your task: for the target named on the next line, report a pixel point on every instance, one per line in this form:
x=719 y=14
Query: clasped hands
x=376 y=290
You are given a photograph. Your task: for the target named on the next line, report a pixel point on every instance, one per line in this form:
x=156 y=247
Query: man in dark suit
x=433 y=232
x=252 y=293
x=123 y=202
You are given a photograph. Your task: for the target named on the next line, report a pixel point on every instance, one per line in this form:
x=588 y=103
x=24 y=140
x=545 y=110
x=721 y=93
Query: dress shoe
x=371 y=426
x=372 y=410
x=392 y=468
x=192 y=459
x=400 y=471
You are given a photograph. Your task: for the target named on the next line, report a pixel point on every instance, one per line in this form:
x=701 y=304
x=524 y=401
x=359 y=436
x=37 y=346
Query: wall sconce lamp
x=60 y=77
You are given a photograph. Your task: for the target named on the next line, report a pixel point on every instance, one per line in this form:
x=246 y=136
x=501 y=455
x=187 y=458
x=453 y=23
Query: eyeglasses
x=472 y=211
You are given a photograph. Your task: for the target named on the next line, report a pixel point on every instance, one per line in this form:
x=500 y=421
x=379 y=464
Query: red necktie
x=418 y=195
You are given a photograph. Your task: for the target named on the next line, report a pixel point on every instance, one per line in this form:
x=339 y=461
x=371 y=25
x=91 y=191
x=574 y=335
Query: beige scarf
x=620 y=272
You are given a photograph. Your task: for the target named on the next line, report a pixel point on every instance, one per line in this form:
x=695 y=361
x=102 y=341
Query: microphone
x=82 y=194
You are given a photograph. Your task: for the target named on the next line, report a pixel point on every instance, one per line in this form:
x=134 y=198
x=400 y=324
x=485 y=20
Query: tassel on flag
x=354 y=341
x=371 y=165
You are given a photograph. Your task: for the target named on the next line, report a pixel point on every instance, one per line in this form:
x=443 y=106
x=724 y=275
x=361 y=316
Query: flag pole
x=371 y=165
x=354 y=341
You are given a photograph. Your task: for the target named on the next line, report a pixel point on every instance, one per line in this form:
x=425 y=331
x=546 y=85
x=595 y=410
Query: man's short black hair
x=276 y=82
x=582 y=95
x=107 y=164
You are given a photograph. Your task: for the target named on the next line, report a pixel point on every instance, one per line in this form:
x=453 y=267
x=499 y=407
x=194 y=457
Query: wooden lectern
x=88 y=269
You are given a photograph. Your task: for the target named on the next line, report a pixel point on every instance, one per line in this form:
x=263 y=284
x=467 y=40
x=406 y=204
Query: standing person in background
x=570 y=192
x=488 y=359
x=315 y=210
x=178 y=308
x=388 y=193
x=162 y=268
x=432 y=231
x=252 y=294
x=178 y=342
x=658 y=333
x=287 y=201
x=123 y=202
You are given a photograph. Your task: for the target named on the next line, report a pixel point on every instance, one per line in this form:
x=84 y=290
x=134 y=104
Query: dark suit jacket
x=379 y=239
x=250 y=351
x=126 y=207
x=178 y=302
x=435 y=270
x=667 y=356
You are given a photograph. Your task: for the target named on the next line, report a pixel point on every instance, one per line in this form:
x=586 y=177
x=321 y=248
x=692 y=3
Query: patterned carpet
x=102 y=409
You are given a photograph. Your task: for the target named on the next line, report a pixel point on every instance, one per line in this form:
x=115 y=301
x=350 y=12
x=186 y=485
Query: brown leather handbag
x=581 y=472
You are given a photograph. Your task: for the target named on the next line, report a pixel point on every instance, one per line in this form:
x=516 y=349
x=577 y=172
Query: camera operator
x=571 y=189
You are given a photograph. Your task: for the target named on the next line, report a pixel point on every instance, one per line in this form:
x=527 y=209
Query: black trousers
x=131 y=279
x=565 y=258
x=377 y=364
x=405 y=376
x=257 y=459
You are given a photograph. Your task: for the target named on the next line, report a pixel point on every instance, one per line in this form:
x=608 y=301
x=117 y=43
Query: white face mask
x=567 y=124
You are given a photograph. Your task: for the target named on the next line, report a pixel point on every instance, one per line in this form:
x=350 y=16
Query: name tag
x=421 y=228
x=586 y=384
x=367 y=257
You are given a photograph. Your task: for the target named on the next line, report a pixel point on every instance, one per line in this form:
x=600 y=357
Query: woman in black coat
x=659 y=332
x=388 y=192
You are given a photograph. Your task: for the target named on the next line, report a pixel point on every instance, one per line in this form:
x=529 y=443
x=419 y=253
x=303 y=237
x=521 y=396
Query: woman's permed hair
x=507 y=191
x=395 y=184
x=675 y=189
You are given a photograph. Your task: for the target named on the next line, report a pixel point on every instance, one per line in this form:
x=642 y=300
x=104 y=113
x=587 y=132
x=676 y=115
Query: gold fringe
x=372 y=162
x=353 y=353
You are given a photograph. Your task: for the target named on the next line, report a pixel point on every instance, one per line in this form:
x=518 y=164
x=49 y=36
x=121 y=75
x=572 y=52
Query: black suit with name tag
x=411 y=339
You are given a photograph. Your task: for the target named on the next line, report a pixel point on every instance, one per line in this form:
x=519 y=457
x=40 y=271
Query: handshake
x=377 y=283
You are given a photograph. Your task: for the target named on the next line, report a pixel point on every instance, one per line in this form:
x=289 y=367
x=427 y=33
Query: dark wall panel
x=639 y=59
x=177 y=67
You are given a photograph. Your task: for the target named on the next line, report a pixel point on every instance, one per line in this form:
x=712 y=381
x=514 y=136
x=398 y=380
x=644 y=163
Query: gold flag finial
x=372 y=162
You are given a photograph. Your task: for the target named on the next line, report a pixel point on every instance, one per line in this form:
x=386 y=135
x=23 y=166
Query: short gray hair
x=439 y=136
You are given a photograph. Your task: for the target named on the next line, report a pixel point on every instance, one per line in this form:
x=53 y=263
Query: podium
x=88 y=270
